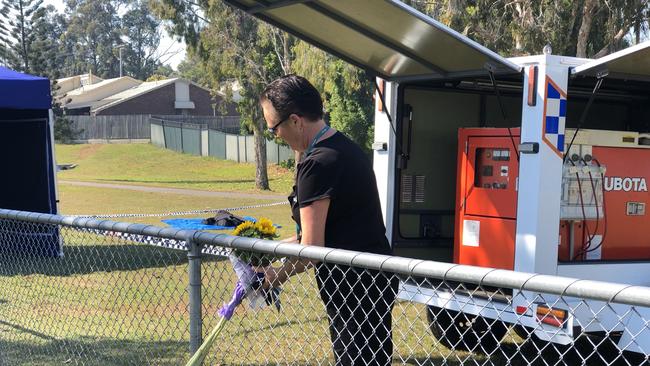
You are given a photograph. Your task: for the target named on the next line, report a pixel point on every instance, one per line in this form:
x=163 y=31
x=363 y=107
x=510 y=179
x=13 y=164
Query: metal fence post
x=182 y=146
x=194 y=269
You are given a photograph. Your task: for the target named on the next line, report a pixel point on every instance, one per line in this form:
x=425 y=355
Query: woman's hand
x=270 y=277
x=276 y=276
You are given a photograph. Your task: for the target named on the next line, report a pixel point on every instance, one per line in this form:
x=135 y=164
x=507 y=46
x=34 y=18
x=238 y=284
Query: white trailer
x=434 y=82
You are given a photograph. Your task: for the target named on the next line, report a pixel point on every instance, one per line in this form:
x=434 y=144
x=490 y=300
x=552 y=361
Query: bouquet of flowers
x=249 y=283
x=262 y=229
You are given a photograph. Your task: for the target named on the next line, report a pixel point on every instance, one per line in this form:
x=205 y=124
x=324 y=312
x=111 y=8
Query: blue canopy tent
x=28 y=165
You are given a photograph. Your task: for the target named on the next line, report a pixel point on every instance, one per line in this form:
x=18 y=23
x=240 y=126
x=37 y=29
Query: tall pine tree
x=44 y=45
x=19 y=19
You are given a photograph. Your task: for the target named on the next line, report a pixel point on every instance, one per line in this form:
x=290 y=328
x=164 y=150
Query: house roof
x=139 y=90
x=90 y=88
x=89 y=95
x=136 y=91
x=103 y=94
x=70 y=83
x=80 y=76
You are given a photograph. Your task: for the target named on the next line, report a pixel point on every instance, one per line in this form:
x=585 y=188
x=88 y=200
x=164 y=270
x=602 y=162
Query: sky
x=166 y=44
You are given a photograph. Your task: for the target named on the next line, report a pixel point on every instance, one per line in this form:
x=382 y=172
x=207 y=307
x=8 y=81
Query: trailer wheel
x=459 y=331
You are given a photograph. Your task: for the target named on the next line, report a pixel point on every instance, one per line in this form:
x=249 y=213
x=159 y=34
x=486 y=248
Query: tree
x=141 y=32
x=583 y=28
x=347 y=92
x=45 y=44
x=193 y=68
x=351 y=104
x=17 y=32
x=233 y=46
x=92 y=35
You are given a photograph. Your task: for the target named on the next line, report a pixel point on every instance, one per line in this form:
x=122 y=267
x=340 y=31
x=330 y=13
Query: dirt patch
x=89 y=150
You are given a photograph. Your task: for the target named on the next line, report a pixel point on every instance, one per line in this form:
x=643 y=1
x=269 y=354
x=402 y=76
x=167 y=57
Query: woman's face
x=288 y=129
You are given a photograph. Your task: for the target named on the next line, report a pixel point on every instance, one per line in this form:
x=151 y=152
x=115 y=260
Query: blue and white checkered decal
x=555 y=116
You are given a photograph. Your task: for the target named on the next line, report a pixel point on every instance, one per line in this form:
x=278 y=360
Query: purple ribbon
x=237 y=296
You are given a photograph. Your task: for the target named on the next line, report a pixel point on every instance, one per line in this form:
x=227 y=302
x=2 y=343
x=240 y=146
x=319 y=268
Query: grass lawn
x=145 y=164
x=113 y=302
x=77 y=200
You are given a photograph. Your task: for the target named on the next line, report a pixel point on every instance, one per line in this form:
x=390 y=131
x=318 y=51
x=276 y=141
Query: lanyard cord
x=316 y=138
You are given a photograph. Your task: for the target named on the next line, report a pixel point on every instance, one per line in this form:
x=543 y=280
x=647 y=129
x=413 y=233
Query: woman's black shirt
x=339 y=170
x=358 y=302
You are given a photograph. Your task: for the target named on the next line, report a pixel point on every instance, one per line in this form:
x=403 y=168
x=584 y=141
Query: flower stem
x=202 y=352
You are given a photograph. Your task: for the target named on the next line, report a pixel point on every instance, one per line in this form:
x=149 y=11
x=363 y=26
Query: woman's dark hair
x=293 y=94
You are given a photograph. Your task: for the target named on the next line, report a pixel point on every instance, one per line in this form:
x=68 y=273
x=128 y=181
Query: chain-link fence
x=86 y=291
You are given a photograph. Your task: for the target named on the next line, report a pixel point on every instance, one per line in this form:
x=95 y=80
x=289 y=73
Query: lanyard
x=316 y=138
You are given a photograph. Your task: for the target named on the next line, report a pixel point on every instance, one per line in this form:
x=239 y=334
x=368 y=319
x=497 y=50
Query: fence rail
x=86 y=291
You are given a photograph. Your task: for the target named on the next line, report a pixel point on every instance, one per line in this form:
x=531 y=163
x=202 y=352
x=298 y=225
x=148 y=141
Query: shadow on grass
x=88 y=351
x=215 y=181
x=86 y=259
x=24 y=330
x=39 y=349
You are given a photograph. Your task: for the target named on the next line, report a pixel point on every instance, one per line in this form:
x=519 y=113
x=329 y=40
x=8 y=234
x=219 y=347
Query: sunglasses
x=273 y=130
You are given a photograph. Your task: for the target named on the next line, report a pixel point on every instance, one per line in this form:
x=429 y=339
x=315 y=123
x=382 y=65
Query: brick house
x=127 y=96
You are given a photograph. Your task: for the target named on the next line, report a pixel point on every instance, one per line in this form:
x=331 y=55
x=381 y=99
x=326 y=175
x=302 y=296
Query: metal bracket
x=489 y=67
x=602 y=73
x=379 y=146
x=529 y=147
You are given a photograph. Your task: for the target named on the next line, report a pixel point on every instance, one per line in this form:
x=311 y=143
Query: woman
x=334 y=204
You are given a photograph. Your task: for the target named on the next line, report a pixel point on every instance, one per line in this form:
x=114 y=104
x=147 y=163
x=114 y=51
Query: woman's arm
x=312 y=223
x=291 y=240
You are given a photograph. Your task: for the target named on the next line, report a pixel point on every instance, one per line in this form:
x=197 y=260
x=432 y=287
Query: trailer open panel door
x=385 y=37
x=628 y=64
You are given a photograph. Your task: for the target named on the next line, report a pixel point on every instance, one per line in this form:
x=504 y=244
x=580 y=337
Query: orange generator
x=603 y=205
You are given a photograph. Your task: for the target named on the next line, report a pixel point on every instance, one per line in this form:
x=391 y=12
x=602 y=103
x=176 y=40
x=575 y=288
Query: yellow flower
x=265 y=226
x=262 y=229
x=243 y=227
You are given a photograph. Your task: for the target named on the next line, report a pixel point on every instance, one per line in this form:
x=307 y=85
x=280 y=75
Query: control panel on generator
x=604 y=196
